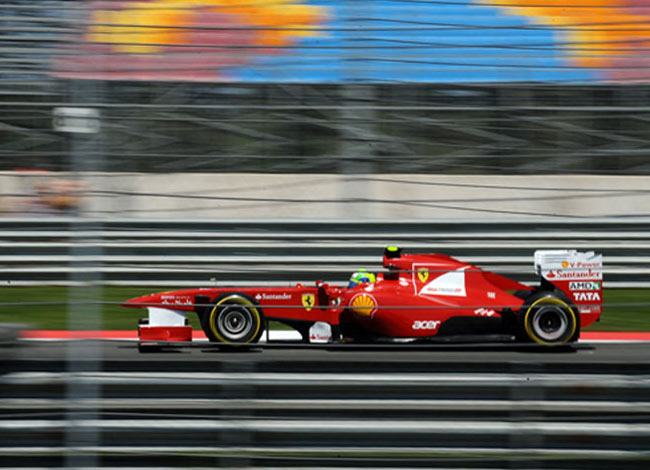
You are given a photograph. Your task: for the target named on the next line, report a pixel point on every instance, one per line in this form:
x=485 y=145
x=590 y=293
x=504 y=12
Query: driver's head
x=361 y=277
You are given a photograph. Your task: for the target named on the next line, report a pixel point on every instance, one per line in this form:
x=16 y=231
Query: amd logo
x=586 y=285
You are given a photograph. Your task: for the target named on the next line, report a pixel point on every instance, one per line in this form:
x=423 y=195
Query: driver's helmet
x=361 y=277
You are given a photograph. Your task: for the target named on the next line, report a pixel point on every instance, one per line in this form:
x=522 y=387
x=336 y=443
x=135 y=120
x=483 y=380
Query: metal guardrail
x=276 y=252
x=348 y=419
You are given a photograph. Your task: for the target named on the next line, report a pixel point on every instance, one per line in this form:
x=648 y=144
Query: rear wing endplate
x=578 y=274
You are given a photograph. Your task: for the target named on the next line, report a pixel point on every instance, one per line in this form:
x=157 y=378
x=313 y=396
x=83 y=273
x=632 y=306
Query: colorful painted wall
x=316 y=41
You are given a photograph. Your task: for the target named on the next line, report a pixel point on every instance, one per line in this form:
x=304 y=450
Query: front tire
x=549 y=320
x=234 y=319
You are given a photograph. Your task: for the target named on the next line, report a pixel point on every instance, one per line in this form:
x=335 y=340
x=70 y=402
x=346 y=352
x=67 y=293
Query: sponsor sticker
x=451 y=283
x=585 y=264
x=484 y=312
x=589 y=309
x=425 y=324
x=176 y=299
x=363 y=304
x=308 y=301
x=320 y=332
x=586 y=296
x=571 y=275
x=585 y=285
x=265 y=296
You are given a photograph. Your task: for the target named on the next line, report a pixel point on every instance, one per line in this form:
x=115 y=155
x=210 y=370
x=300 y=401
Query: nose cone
x=176 y=300
x=150 y=300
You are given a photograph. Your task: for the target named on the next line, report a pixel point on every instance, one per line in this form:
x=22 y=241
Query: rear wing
x=578 y=274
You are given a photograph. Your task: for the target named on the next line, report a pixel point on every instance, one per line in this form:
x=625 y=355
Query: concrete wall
x=311 y=196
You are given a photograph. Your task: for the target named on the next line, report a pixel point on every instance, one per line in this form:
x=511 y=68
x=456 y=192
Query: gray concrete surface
x=327 y=196
x=124 y=355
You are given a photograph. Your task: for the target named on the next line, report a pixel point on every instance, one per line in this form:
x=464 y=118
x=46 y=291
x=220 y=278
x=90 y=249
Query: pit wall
x=318 y=196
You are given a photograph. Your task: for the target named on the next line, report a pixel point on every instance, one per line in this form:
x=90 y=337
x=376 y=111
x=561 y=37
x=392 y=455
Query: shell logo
x=363 y=304
x=565 y=264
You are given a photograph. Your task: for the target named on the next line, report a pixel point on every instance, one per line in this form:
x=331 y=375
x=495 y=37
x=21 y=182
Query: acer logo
x=425 y=324
x=586 y=296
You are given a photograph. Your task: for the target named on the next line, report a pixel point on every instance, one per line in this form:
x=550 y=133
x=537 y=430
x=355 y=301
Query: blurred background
x=176 y=143
x=265 y=109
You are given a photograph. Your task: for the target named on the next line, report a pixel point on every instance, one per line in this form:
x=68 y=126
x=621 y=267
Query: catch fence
x=178 y=252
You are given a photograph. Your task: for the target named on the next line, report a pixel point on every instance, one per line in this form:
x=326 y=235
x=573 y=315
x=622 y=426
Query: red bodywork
x=416 y=296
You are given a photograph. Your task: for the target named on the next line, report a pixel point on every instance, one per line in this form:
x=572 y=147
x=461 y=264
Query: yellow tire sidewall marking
x=552 y=300
x=234 y=299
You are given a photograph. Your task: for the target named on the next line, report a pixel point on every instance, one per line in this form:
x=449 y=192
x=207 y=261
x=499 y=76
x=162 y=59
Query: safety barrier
x=207 y=252
x=278 y=412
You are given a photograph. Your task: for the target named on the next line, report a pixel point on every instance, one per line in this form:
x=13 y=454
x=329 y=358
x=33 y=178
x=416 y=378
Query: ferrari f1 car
x=417 y=297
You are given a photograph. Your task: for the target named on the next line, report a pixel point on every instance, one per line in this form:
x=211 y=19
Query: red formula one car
x=418 y=297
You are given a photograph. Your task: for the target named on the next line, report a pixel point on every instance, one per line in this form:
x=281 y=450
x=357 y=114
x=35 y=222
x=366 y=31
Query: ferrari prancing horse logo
x=308 y=301
x=423 y=274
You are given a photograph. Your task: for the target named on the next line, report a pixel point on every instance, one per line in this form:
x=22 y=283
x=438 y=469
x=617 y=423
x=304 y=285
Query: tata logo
x=586 y=296
x=584 y=286
x=425 y=324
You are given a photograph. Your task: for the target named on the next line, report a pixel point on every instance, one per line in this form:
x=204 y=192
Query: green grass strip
x=46 y=308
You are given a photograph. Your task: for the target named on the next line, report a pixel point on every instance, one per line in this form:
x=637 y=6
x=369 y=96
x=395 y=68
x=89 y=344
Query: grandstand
x=328 y=86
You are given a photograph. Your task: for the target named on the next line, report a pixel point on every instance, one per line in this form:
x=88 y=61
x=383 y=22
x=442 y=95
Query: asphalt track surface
x=123 y=355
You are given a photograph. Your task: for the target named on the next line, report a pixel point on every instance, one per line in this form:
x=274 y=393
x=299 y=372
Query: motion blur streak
x=321 y=409
x=149 y=143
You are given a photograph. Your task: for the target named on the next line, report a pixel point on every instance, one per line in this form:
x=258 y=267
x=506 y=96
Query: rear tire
x=549 y=320
x=234 y=319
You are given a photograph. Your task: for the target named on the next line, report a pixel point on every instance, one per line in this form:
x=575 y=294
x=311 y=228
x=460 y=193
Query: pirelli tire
x=549 y=319
x=233 y=319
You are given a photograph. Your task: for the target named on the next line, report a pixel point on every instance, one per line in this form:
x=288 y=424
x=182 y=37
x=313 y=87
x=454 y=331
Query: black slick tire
x=548 y=319
x=233 y=319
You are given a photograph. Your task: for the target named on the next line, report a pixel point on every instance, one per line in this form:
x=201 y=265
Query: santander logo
x=571 y=275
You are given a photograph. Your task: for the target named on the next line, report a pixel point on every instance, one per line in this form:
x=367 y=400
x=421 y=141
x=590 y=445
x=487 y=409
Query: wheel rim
x=550 y=322
x=234 y=322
